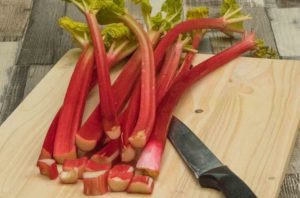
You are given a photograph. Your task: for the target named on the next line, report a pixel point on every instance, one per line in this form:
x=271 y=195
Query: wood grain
x=8 y=51
x=14 y=16
x=246 y=121
x=14 y=91
x=34 y=76
x=286 y=27
x=43 y=42
x=290 y=186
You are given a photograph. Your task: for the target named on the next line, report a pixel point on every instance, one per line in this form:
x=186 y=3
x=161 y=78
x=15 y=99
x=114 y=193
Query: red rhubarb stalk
x=187 y=63
x=110 y=122
x=108 y=154
x=223 y=24
x=73 y=106
x=169 y=69
x=119 y=177
x=150 y=158
x=146 y=117
x=48 y=145
x=129 y=120
x=91 y=131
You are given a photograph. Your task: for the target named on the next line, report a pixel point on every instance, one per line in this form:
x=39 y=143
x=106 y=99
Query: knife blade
x=207 y=168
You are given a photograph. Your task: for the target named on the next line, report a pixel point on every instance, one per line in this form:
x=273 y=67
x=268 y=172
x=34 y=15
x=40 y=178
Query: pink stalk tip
x=150 y=158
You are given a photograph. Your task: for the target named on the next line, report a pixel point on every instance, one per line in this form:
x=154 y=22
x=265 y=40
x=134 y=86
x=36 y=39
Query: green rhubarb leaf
x=263 y=51
x=173 y=10
x=198 y=12
x=78 y=30
x=170 y=14
x=230 y=10
x=110 y=11
x=146 y=10
x=115 y=32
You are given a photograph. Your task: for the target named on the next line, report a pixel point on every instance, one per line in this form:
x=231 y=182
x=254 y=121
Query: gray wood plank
x=209 y=3
x=8 y=52
x=290 y=187
x=44 y=43
x=14 y=91
x=286 y=28
x=259 y=24
x=288 y=3
x=294 y=165
x=34 y=76
x=14 y=16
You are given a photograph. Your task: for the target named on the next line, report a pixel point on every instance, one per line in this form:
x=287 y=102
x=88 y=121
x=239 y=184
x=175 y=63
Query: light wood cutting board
x=247 y=113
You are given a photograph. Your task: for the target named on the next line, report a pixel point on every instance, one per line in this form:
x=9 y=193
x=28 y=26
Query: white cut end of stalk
x=114 y=133
x=49 y=162
x=69 y=177
x=141 y=187
x=117 y=184
x=90 y=175
x=138 y=140
x=130 y=170
x=128 y=154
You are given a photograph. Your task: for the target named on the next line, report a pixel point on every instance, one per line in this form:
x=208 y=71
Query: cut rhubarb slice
x=119 y=177
x=69 y=177
x=95 y=183
x=79 y=164
x=48 y=168
x=141 y=184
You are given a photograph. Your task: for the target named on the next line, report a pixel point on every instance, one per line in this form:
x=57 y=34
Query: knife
x=207 y=168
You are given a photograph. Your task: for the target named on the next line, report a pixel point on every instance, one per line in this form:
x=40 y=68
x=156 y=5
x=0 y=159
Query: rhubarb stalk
x=72 y=110
x=150 y=158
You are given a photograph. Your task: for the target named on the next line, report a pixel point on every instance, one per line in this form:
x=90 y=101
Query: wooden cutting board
x=247 y=113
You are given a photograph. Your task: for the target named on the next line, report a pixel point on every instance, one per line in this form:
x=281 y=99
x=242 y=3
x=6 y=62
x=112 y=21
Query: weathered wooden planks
x=34 y=76
x=14 y=91
x=14 y=16
x=43 y=43
x=286 y=27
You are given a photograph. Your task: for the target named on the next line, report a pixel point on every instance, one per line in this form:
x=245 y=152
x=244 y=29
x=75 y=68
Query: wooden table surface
x=31 y=42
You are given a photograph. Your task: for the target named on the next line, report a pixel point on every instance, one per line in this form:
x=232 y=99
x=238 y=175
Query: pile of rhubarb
x=120 y=146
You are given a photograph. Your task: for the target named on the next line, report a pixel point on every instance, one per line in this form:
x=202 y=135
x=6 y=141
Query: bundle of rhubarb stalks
x=121 y=144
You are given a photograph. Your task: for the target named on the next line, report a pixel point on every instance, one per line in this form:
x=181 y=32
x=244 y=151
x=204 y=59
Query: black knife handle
x=224 y=180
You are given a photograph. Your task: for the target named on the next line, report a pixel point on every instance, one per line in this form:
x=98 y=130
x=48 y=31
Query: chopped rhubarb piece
x=95 y=183
x=79 y=164
x=69 y=177
x=141 y=184
x=119 y=177
x=48 y=168
x=92 y=166
x=109 y=154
